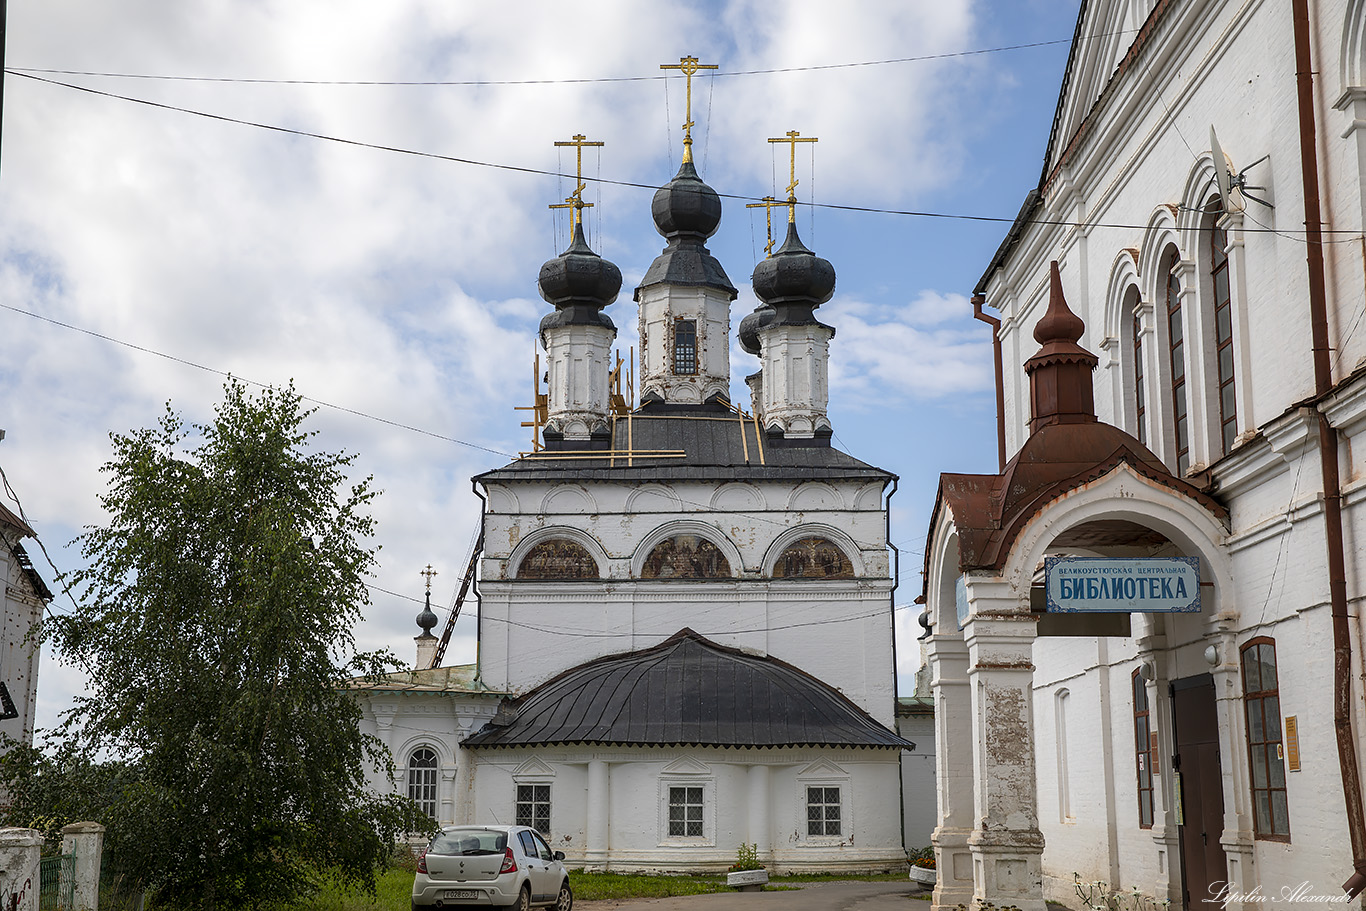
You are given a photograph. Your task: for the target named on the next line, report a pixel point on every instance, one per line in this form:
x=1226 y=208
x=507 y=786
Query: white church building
x=1181 y=347
x=685 y=616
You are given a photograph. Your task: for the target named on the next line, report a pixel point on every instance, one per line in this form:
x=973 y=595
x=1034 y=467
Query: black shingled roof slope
x=716 y=444
x=685 y=691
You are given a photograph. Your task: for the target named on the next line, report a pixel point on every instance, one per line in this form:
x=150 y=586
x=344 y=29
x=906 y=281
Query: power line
x=541 y=172
x=586 y=80
x=224 y=373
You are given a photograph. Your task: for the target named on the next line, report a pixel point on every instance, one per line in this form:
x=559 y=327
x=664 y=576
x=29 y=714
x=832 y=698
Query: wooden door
x=1204 y=868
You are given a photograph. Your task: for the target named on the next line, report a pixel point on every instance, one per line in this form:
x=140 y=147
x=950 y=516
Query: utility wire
x=948 y=55
x=541 y=172
x=250 y=382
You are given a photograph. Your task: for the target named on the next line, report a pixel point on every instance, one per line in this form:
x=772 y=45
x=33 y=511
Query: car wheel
x=565 y=901
x=524 y=899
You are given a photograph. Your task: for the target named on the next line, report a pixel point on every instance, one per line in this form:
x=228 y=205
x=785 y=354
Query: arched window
x=422 y=780
x=1133 y=308
x=813 y=558
x=558 y=558
x=1176 y=350
x=1223 y=330
x=1262 y=702
x=685 y=557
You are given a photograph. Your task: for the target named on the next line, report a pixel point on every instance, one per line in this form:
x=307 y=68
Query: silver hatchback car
x=483 y=866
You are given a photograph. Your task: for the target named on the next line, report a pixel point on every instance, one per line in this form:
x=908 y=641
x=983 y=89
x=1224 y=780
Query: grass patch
x=799 y=878
x=393 y=892
x=599 y=886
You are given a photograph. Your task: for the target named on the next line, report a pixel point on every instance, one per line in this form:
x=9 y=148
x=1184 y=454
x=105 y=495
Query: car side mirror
x=559 y=855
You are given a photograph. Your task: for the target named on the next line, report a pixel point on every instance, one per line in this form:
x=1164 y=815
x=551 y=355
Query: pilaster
x=598 y=819
x=947 y=655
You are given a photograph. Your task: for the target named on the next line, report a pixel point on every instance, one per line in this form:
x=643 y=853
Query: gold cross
x=574 y=202
x=689 y=66
x=792 y=137
x=767 y=205
x=428 y=572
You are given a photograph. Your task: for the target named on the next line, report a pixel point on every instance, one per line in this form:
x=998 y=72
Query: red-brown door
x=1204 y=868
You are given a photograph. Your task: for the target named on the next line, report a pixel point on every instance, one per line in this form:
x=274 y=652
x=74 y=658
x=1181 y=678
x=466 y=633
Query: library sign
x=1143 y=585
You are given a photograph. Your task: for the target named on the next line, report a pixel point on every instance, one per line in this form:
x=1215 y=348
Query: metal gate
x=57 y=890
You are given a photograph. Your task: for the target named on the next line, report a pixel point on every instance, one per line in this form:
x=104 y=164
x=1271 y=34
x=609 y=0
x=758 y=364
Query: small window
x=1262 y=703
x=685 y=812
x=1143 y=751
x=1176 y=350
x=558 y=558
x=686 y=557
x=422 y=780
x=685 y=347
x=813 y=558
x=533 y=807
x=823 y=812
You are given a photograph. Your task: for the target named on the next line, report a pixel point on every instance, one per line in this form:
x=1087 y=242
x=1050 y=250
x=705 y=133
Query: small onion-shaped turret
x=761 y=316
x=427 y=619
x=686 y=205
x=579 y=283
x=794 y=281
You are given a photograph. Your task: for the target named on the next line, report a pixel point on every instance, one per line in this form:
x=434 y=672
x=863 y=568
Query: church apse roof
x=670 y=442
x=686 y=691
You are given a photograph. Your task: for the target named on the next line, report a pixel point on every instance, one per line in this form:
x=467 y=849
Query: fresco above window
x=813 y=558
x=558 y=558
x=685 y=557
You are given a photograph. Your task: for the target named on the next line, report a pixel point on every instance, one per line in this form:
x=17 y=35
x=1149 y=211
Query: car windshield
x=469 y=843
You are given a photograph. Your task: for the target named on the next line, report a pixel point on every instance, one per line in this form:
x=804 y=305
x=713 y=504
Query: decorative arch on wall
x=1353 y=62
x=1123 y=276
x=569 y=546
x=568 y=499
x=1161 y=235
x=1200 y=189
x=807 y=551
x=686 y=550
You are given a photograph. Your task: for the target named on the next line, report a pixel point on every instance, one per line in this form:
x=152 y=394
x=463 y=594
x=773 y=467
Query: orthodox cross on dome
x=428 y=572
x=767 y=205
x=574 y=201
x=793 y=137
x=689 y=66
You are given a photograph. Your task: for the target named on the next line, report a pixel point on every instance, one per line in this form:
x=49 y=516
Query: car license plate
x=455 y=895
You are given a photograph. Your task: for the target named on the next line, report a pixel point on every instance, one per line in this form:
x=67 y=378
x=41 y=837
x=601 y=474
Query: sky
x=164 y=222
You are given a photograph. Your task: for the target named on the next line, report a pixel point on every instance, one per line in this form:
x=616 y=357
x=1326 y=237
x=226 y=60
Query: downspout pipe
x=896 y=688
x=977 y=301
x=1328 y=455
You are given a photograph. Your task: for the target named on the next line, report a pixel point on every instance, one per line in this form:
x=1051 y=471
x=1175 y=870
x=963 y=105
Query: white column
x=759 y=819
x=462 y=812
x=85 y=842
x=1152 y=650
x=948 y=657
x=1006 y=843
x=599 y=807
x=19 y=853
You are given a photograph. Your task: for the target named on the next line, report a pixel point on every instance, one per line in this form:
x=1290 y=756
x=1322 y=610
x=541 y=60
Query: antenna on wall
x=1229 y=180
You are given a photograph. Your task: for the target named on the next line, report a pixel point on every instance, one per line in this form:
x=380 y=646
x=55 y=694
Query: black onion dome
x=751 y=324
x=579 y=276
x=686 y=205
x=794 y=280
x=427 y=619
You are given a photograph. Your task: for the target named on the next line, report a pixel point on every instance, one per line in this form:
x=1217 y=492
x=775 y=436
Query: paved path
x=835 y=896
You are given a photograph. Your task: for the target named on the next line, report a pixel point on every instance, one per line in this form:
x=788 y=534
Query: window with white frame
x=686 y=811
x=533 y=807
x=824 y=816
x=422 y=765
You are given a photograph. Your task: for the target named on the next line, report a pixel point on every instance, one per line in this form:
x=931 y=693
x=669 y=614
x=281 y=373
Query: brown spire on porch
x=1060 y=387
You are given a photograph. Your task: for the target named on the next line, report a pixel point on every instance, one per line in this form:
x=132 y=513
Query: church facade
x=685 y=622
x=1181 y=377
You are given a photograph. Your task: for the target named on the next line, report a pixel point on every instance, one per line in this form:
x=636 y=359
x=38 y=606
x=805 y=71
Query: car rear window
x=469 y=843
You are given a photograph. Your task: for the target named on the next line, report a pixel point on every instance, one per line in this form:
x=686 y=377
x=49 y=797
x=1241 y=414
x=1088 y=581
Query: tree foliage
x=215 y=621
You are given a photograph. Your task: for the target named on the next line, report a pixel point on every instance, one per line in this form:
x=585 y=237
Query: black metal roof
x=715 y=443
x=685 y=691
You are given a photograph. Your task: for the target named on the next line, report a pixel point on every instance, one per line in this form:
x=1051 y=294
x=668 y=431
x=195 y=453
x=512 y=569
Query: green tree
x=215 y=617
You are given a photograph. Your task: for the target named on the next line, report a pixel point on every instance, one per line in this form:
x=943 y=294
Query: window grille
x=422 y=780
x=823 y=811
x=1143 y=751
x=685 y=347
x=1262 y=703
x=533 y=807
x=685 y=812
